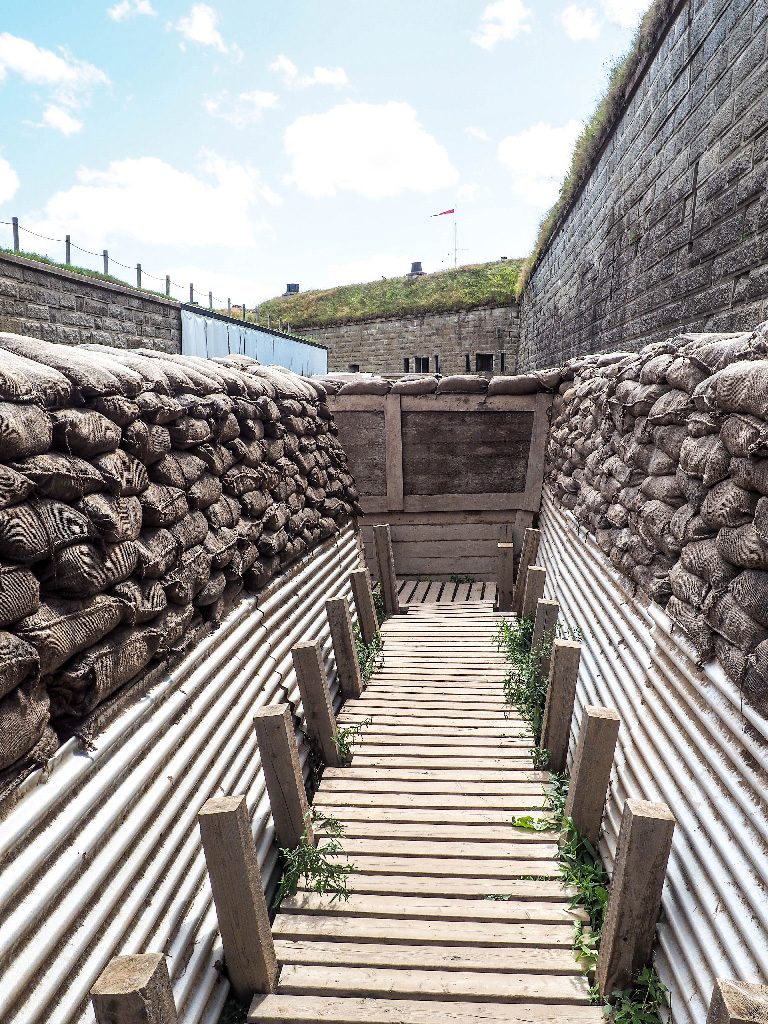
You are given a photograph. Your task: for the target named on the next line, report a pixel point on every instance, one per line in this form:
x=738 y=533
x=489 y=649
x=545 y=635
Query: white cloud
x=478 y=133
x=625 y=13
x=289 y=73
x=242 y=110
x=147 y=200
x=9 y=181
x=468 y=191
x=201 y=26
x=374 y=150
x=70 y=79
x=131 y=9
x=538 y=159
x=580 y=22
x=60 y=120
x=502 y=20
x=367 y=268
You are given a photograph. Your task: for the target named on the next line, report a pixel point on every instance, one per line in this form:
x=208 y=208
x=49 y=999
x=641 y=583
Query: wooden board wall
x=452 y=474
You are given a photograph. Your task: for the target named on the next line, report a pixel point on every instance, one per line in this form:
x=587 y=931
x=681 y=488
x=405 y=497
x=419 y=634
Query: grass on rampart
x=83 y=271
x=469 y=287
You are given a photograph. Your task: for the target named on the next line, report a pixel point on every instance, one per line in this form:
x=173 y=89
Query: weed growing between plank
x=378 y=602
x=316 y=864
x=369 y=655
x=345 y=739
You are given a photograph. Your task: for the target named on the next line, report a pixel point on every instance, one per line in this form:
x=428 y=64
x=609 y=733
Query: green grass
x=83 y=271
x=597 y=129
x=481 y=284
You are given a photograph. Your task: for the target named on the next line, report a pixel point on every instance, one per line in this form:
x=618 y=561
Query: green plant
x=378 y=602
x=527 y=821
x=345 y=739
x=315 y=864
x=369 y=655
x=641 y=1003
x=462 y=577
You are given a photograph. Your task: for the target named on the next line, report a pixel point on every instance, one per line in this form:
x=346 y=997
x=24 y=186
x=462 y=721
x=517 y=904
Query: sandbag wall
x=140 y=493
x=663 y=456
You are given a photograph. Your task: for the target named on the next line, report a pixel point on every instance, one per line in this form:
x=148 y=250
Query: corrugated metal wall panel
x=685 y=739
x=102 y=856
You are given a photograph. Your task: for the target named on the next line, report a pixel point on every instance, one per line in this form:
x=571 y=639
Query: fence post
x=360 y=582
x=191 y=294
x=269 y=321
x=210 y=300
x=645 y=841
x=138 y=275
x=168 y=285
x=544 y=625
x=343 y=638
x=243 y=312
x=316 y=698
x=528 y=553
x=505 y=578
x=229 y=307
x=134 y=990
x=241 y=909
x=591 y=771
x=67 y=249
x=15 y=229
x=561 y=694
x=282 y=772
x=736 y=1002
x=533 y=589
x=105 y=258
x=382 y=542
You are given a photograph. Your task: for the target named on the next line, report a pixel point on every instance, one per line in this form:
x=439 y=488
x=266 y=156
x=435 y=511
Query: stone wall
x=66 y=308
x=381 y=346
x=670 y=231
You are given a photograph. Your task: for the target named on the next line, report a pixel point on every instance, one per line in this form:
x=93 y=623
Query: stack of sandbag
x=663 y=455
x=547 y=381
x=140 y=493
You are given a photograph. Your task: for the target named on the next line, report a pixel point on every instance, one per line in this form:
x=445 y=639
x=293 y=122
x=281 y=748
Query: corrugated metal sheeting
x=688 y=740
x=103 y=855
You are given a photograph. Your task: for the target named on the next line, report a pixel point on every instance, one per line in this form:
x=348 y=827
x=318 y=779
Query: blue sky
x=241 y=145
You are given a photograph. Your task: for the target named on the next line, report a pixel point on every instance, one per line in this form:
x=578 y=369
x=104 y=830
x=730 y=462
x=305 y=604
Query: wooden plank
x=535 y=846
x=442 y=802
x=440 y=753
x=419 y=593
x=393 y=446
x=332 y=1010
x=458 y=888
x=369 y=760
x=419 y=908
x=478 y=868
x=462 y=592
x=436 y=773
x=440 y=830
x=374 y=982
x=476 y=933
x=415 y=787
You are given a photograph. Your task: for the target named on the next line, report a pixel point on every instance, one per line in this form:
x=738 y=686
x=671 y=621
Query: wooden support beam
x=241 y=908
x=505 y=577
x=544 y=626
x=316 y=698
x=282 y=771
x=561 y=694
x=134 y=990
x=738 y=1002
x=591 y=772
x=385 y=560
x=343 y=638
x=528 y=555
x=360 y=581
x=645 y=841
x=533 y=591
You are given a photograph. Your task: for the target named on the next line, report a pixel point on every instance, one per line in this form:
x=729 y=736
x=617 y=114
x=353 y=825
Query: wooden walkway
x=439 y=592
x=427 y=803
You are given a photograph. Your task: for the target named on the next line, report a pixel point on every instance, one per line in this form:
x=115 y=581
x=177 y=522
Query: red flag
x=443 y=213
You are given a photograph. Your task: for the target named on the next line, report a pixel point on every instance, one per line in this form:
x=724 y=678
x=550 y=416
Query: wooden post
x=15 y=229
x=528 y=553
x=544 y=626
x=229 y=307
x=316 y=698
x=738 y=1002
x=382 y=541
x=282 y=771
x=591 y=772
x=505 y=576
x=360 y=582
x=67 y=249
x=533 y=589
x=233 y=869
x=343 y=638
x=105 y=257
x=210 y=300
x=243 y=311
x=138 y=275
x=134 y=990
x=561 y=694
x=191 y=294
x=645 y=841
x=168 y=285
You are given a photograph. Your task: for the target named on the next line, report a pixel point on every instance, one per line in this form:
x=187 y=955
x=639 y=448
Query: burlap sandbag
x=172 y=626
x=700 y=424
x=713 y=352
x=730 y=620
x=664 y=488
x=729 y=505
x=18 y=661
x=60 y=628
x=189 y=531
x=744 y=435
x=156 y=408
x=423 y=386
x=693 y=488
x=275 y=517
x=703 y=559
x=255 y=504
x=694 y=625
x=740 y=387
x=148 y=442
x=750 y=590
x=91 y=677
x=163 y=506
x=220 y=545
x=177 y=469
x=223 y=513
x=695 y=453
x=24 y=430
x=272 y=542
x=742 y=547
x=19 y=593
x=24 y=717
x=188 y=577
x=39 y=527
x=64 y=477
x=123 y=475
x=668 y=439
x=83 y=570
x=756 y=676
x=251 y=453
x=115 y=519
x=120 y=410
x=733 y=661
x=212 y=590
x=687 y=587
x=672 y=408
x=242 y=479
x=751 y=474
x=84 y=432
x=14 y=487
x=684 y=375
x=140 y=602
x=157 y=552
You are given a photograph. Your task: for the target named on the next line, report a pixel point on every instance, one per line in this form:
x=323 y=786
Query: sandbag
x=729 y=505
x=694 y=625
x=163 y=506
x=212 y=590
x=205 y=492
x=120 y=410
x=740 y=387
x=272 y=542
x=416 y=386
x=64 y=477
x=688 y=587
x=148 y=442
x=24 y=717
x=703 y=559
x=154 y=408
x=84 y=432
x=24 y=430
x=123 y=475
x=189 y=531
x=744 y=435
x=172 y=626
x=14 y=487
x=742 y=547
x=114 y=519
x=18 y=661
x=19 y=593
x=242 y=479
x=519 y=384
x=730 y=620
x=156 y=552
x=60 y=628
x=188 y=577
x=750 y=590
x=140 y=602
x=733 y=661
x=670 y=408
x=177 y=469
x=462 y=384
x=751 y=474
x=220 y=545
x=83 y=570
x=188 y=431
x=756 y=675
x=223 y=513
x=40 y=527
x=255 y=504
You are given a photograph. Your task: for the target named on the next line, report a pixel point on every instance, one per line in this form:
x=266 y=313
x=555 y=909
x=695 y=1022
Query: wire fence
x=137 y=276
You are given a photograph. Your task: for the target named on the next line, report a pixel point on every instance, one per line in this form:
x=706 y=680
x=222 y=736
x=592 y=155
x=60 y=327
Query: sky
x=242 y=144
